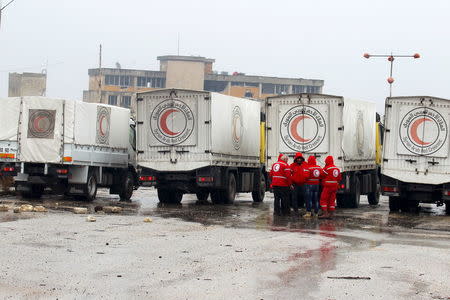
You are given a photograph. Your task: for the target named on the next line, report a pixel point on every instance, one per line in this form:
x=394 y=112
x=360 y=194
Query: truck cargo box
x=416 y=147
x=71 y=132
x=322 y=125
x=9 y=120
x=181 y=130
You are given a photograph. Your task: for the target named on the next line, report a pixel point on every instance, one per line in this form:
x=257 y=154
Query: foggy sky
x=302 y=39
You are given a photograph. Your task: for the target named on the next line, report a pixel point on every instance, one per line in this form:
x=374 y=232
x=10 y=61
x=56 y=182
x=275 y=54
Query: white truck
x=199 y=142
x=9 y=120
x=73 y=147
x=416 y=158
x=322 y=125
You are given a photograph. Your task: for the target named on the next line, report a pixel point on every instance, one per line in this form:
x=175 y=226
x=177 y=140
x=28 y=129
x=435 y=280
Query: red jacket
x=315 y=172
x=332 y=174
x=298 y=171
x=280 y=174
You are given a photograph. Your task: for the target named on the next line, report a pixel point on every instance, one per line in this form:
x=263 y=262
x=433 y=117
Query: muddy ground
x=200 y=251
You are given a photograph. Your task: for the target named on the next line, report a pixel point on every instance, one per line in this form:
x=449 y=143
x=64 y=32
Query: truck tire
x=354 y=198
x=374 y=197
x=447 y=207
x=258 y=195
x=90 y=189
x=230 y=192
x=341 y=200
x=217 y=197
x=202 y=195
x=35 y=192
x=169 y=196
x=394 y=204
x=127 y=187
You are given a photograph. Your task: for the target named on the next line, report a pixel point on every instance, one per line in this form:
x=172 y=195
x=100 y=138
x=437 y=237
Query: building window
x=281 y=89
x=237 y=83
x=124 y=80
x=268 y=88
x=215 y=86
x=253 y=84
x=248 y=94
x=126 y=101
x=298 y=89
x=112 y=100
x=151 y=82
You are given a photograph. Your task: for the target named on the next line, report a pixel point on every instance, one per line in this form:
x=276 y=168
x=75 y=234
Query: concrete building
x=27 y=84
x=118 y=86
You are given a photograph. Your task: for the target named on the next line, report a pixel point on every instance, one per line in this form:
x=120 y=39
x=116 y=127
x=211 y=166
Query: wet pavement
x=203 y=251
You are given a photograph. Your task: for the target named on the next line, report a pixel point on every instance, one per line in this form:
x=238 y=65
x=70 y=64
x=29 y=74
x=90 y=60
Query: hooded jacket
x=298 y=170
x=315 y=172
x=332 y=174
x=280 y=174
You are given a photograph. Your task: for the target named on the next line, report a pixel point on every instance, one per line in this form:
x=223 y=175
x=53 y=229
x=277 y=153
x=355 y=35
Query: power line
x=2 y=8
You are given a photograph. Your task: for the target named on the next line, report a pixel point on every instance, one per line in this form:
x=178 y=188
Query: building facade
x=119 y=86
x=27 y=84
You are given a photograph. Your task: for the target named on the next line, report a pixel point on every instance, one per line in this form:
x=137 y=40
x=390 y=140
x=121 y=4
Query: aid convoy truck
x=416 y=158
x=72 y=147
x=200 y=142
x=322 y=125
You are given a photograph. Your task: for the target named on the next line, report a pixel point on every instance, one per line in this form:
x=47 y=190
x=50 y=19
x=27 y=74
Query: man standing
x=298 y=168
x=280 y=175
x=330 y=183
x=315 y=173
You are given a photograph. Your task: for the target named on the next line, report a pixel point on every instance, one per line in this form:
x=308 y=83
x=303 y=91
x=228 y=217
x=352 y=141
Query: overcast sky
x=308 y=39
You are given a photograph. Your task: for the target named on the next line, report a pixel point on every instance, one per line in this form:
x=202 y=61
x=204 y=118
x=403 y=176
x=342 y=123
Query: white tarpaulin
x=9 y=118
x=359 y=119
x=41 y=130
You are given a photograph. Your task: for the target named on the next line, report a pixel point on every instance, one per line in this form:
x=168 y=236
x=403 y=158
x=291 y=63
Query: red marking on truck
x=294 y=131
x=163 y=122
x=413 y=131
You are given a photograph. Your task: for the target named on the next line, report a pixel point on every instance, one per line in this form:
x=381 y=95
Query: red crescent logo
x=163 y=122
x=414 y=134
x=294 y=131
x=101 y=125
x=237 y=138
x=36 y=124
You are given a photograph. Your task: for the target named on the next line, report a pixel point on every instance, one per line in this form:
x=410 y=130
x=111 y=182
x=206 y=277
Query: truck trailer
x=200 y=142
x=73 y=147
x=416 y=160
x=322 y=125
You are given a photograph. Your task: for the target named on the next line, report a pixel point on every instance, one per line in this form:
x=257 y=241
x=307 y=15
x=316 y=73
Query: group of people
x=305 y=181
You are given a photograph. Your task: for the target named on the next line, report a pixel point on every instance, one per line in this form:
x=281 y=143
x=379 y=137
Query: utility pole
x=100 y=74
x=391 y=57
x=2 y=8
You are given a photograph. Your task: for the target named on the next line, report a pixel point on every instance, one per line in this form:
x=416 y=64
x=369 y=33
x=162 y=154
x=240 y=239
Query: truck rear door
x=41 y=130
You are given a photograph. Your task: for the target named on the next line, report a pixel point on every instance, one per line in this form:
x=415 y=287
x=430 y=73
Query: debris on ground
x=16 y=209
x=148 y=220
x=91 y=219
x=4 y=208
x=26 y=208
x=349 y=277
x=80 y=210
x=39 y=208
x=112 y=209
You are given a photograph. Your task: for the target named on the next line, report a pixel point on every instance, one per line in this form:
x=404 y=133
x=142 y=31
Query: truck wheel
x=217 y=197
x=230 y=193
x=447 y=207
x=127 y=187
x=35 y=192
x=91 y=187
x=353 y=199
x=258 y=195
x=394 y=204
x=169 y=196
x=341 y=200
x=374 y=198
x=202 y=195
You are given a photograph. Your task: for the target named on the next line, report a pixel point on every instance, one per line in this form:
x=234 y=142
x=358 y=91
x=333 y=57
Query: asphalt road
x=201 y=251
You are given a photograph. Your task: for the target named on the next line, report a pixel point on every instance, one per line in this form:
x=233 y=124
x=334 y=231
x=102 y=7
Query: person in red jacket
x=298 y=168
x=330 y=183
x=280 y=176
x=312 y=185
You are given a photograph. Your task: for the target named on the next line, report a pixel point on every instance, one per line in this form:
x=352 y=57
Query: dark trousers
x=281 y=204
x=312 y=197
x=298 y=197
